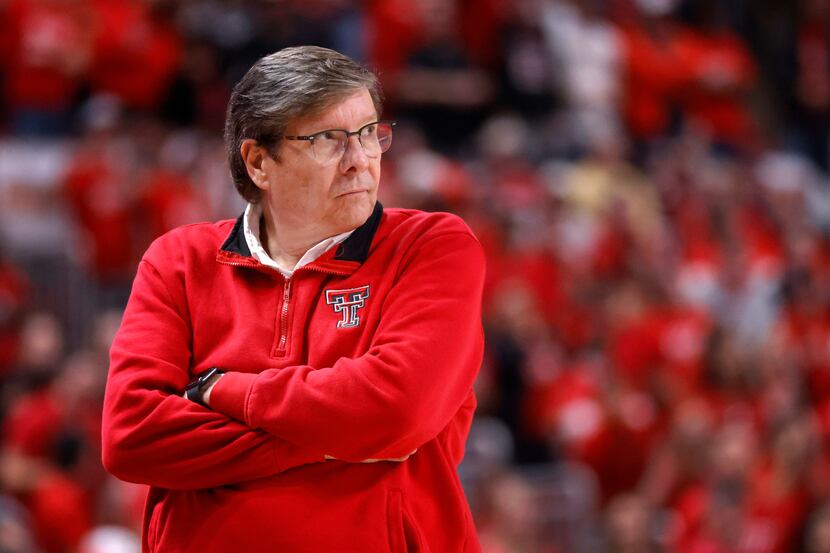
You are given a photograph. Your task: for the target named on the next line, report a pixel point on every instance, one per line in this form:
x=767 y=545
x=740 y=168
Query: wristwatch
x=196 y=387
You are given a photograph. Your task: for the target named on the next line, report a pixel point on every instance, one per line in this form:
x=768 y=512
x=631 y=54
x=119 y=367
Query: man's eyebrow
x=369 y=122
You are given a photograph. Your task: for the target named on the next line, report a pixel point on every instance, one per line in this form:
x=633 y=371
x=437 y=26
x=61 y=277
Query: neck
x=283 y=246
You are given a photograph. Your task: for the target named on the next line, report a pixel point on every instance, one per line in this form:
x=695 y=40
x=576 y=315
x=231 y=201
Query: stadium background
x=648 y=178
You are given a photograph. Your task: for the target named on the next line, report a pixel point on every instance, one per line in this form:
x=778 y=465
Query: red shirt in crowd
x=136 y=52
x=95 y=187
x=47 y=47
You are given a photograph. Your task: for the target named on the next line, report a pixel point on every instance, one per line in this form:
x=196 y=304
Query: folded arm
x=416 y=375
x=152 y=435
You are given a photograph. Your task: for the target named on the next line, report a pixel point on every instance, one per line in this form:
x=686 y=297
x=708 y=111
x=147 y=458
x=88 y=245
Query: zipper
x=286 y=299
x=282 y=342
x=280 y=346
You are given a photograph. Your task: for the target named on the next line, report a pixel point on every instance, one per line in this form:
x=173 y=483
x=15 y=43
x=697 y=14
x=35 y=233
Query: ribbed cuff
x=230 y=393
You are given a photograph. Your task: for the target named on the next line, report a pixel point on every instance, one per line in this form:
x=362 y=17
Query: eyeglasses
x=328 y=146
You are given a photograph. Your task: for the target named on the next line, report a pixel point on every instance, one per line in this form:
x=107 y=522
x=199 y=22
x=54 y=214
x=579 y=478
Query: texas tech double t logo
x=347 y=302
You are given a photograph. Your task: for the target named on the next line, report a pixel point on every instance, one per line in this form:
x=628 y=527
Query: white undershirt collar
x=250 y=224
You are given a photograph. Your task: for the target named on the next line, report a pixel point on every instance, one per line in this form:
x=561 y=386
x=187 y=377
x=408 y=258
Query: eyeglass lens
x=375 y=139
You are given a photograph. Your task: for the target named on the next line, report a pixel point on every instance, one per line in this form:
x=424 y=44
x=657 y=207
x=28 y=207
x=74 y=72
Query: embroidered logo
x=347 y=302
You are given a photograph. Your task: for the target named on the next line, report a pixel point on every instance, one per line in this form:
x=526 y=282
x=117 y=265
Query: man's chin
x=354 y=210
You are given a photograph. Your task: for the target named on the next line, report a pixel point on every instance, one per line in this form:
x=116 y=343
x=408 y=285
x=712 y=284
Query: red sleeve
x=152 y=435
x=415 y=377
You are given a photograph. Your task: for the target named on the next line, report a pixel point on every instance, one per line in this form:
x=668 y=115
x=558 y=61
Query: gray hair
x=290 y=83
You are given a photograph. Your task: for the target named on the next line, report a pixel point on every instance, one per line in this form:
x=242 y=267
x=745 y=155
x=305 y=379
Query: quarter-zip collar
x=344 y=259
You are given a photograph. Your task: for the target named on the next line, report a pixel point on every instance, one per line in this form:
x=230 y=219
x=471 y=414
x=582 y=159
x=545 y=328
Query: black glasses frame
x=349 y=134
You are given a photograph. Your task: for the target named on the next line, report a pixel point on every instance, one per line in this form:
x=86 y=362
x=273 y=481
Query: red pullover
x=369 y=352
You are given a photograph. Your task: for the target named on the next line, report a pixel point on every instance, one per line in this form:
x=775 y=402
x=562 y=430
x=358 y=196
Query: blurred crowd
x=649 y=181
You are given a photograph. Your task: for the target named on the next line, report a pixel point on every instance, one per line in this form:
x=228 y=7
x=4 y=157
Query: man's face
x=324 y=199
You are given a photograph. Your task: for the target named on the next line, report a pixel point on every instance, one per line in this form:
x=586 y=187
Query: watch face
x=200 y=379
x=207 y=375
x=194 y=387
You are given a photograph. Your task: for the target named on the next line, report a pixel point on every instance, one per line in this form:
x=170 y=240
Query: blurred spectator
x=110 y=539
x=137 y=50
x=13 y=299
x=51 y=452
x=655 y=70
x=198 y=94
x=15 y=536
x=440 y=86
x=722 y=73
x=42 y=347
x=99 y=186
x=586 y=48
x=811 y=82
x=166 y=196
x=818 y=531
x=513 y=523
x=526 y=76
x=631 y=526
x=48 y=51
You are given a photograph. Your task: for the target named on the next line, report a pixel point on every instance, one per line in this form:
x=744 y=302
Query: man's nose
x=354 y=157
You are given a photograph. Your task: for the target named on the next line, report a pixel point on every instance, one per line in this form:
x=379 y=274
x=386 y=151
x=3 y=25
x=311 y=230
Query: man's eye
x=329 y=135
x=368 y=130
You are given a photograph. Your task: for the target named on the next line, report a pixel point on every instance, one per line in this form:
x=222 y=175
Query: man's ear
x=255 y=156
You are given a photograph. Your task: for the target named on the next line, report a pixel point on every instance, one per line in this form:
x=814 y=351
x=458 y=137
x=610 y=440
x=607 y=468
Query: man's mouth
x=352 y=192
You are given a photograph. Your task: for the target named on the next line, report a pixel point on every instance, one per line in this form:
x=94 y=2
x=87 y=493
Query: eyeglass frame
x=311 y=137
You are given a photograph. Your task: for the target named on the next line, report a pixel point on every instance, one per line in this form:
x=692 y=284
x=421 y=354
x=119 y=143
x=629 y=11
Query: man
x=325 y=347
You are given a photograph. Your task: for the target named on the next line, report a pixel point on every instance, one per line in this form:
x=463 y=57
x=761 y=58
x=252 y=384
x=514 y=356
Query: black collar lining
x=236 y=239
x=354 y=248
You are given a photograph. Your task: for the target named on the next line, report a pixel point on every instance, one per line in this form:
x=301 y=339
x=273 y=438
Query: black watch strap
x=195 y=387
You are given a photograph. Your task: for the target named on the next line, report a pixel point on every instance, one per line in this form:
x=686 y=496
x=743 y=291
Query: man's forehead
x=355 y=107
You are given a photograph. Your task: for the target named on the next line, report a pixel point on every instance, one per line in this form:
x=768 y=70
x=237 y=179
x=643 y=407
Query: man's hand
x=395 y=460
x=208 y=387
